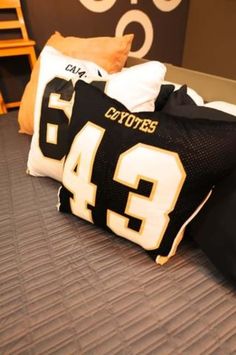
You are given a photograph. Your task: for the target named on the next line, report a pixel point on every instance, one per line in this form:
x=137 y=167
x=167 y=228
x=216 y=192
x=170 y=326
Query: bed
x=70 y=287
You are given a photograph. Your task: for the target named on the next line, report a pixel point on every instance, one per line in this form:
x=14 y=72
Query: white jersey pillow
x=58 y=73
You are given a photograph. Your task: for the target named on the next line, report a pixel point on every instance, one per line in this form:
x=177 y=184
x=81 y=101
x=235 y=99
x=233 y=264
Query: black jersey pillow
x=214 y=228
x=141 y=175
x=163 y=96
x=180 y=104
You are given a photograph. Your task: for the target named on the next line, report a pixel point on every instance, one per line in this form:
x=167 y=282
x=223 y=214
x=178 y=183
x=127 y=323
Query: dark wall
x=210 y=44
x=158 y=26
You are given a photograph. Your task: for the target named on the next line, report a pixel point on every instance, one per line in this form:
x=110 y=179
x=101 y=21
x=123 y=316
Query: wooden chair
x=3 y=108
x=15 y=46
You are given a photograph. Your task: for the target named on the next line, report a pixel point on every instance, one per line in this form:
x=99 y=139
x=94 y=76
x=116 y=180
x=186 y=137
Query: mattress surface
x=68 y=287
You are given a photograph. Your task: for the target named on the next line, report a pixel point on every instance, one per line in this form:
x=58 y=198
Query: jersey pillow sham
x=181 y=104
x=58 y=73
x=190 y=91
x=110 y=53
x=137 y=87
x=141 y=175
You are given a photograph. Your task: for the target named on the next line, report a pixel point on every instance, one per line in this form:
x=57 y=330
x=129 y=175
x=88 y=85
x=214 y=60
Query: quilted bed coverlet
x=68 y=287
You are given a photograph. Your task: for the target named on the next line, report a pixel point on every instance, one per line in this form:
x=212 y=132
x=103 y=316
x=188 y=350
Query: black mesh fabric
x=206 y=148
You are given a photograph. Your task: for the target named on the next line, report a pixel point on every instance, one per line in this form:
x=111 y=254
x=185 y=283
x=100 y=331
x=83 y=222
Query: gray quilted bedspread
x=68 y=287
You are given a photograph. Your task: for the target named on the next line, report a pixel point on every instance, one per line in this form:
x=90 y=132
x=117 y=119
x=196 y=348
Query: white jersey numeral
x=165 y=171
x=78 y=170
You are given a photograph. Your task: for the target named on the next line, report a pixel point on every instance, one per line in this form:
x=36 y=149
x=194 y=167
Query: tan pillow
x=108 y=52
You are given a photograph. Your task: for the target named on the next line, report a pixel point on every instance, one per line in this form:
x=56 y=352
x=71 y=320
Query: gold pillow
x=108 y=52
